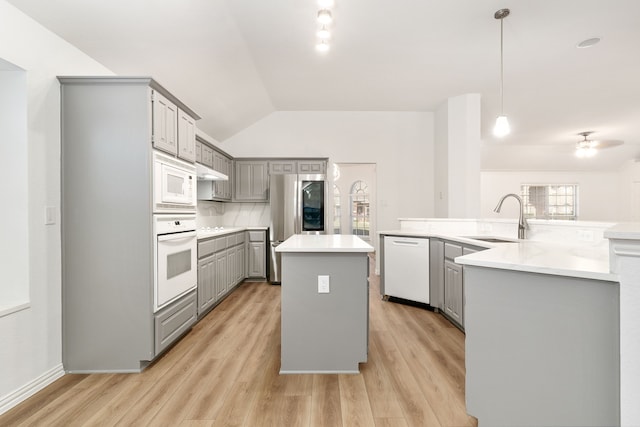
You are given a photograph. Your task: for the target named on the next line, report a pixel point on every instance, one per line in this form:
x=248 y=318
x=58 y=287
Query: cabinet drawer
x=467 y=251
x=451 y=251
x=211 y=246
x=256 y=236
x=206 y=248
x=173 y=321
x=240 y=238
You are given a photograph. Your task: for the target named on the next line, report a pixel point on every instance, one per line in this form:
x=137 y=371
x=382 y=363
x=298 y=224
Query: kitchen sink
x=490 y=239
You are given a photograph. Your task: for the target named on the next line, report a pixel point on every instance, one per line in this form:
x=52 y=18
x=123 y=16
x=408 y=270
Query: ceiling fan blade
x=607 y=143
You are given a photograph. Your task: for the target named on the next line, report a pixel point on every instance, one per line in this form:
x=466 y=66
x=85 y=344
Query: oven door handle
x=176 y=237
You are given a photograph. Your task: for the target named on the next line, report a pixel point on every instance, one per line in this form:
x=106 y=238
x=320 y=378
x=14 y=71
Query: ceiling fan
x=588 y=147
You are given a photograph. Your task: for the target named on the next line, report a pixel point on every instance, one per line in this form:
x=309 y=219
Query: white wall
x=31 y=339
x=399 y=143
x=599 y=194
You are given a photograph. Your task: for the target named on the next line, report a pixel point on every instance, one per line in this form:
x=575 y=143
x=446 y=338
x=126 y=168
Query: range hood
x=207 y=174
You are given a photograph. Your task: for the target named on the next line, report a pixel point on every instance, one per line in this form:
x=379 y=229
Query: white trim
x=23 y=393
x=14 y=308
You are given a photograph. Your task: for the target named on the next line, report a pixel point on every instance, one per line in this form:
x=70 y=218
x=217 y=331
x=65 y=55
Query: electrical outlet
x=323 y=284
x=585 y=235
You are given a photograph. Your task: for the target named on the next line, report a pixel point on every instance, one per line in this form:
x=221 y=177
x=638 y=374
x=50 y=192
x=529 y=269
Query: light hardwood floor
x=225 y=373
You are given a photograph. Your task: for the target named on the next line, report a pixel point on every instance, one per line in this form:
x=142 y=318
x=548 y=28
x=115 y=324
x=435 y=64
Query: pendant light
x=502 y=127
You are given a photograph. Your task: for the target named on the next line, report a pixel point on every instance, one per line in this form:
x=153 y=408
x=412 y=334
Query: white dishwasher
x=406 y=268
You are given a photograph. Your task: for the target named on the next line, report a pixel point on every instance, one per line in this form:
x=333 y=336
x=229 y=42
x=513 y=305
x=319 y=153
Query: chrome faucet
x=522 y=222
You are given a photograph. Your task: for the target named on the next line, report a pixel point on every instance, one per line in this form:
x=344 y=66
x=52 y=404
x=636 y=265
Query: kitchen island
x=542 y=335
x=325 y=303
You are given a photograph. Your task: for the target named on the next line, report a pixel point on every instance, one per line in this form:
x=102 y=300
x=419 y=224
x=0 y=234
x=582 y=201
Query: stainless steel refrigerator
x=297 y=207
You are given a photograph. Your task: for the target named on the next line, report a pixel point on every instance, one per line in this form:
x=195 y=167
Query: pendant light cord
x=501 y=68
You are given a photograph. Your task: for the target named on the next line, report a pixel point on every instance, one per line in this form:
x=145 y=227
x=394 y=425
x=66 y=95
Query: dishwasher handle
x=404 y=242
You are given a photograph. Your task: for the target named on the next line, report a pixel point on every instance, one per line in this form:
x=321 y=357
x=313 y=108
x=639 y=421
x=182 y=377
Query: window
x=360 y=209
x=337 y=228
x=557 y=201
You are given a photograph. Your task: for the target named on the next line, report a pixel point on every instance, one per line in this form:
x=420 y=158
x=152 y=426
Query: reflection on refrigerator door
x=297 y=205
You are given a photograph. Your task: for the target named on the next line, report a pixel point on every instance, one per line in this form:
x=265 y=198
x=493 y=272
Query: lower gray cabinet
x=174 y=320
x=221 y=266
x=453 y=292
x=221 y=274
x=206 y=283
x=257 y=260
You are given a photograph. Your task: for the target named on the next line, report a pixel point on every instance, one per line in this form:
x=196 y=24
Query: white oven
x=175 y=250
x=174 y=184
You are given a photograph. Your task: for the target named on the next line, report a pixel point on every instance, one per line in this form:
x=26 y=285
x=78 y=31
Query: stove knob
x=177 y=222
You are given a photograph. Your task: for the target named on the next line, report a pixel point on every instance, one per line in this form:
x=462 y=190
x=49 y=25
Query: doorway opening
x=354 y=199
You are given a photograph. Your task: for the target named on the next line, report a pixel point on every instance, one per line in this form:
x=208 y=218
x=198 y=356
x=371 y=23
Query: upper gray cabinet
x=164 y=124
x=251 y=181
x=186 y=136
x=220 y=162
x=311 y=166
x=279 y=167
x=302 y=166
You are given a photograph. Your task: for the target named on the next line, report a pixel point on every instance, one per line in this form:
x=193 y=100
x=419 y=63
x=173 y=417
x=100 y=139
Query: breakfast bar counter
x=325 y=303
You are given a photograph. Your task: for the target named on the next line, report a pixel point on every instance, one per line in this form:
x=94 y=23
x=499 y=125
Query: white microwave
x=174 y=184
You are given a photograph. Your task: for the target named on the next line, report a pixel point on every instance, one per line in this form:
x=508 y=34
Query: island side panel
x=541 y=349
x=324 y=332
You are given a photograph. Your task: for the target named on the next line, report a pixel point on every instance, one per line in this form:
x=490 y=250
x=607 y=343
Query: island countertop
x=545 y=258
x=324 y=243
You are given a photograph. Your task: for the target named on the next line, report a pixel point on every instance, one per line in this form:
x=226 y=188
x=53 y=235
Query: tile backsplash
x=219 y=214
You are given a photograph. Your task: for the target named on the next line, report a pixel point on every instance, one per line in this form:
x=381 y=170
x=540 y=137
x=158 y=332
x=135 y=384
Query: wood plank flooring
x=225 y=373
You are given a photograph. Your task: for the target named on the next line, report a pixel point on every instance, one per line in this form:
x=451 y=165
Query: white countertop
x=206 y=234
x=589 y=262
x=324 y=243
x=467 y=240
x=545 y=258
x=624 y=231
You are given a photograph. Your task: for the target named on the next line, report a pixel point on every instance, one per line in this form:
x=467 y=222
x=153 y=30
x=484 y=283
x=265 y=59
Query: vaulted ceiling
x=236 y=61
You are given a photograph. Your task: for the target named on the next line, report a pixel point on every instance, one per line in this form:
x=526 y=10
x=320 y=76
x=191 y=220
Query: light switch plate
x=323 y=284
x=49 y=215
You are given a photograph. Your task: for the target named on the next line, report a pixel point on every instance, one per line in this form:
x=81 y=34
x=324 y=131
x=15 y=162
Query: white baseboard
x=23 y=393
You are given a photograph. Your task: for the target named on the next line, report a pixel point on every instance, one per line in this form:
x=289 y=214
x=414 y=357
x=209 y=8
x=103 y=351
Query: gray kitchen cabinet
x=453 y=292
x=206 y=284
x=198 y=152
x=251 y=181
x=279 y=167
x=311 y=166
x=240 y=263
x=186 y=136
x=222 y=163
x=257 y=266
x=220 y=268
x=207 y=156
x=221 y=274
x=174 y=320
x=453 y=284
x=164 y=123
x=436 y=273
x=112 y=124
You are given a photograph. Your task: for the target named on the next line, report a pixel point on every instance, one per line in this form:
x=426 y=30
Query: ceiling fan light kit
x=589 y=147
x=501 y=127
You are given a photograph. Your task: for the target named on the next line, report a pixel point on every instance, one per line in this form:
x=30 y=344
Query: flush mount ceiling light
x=324 y=17
x=501 y=127
x=322 y=46
x=323 y=33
